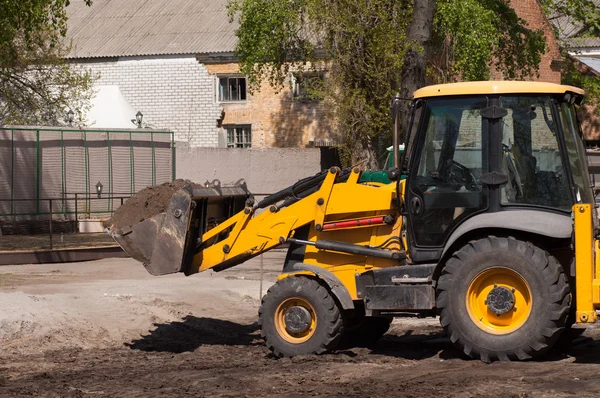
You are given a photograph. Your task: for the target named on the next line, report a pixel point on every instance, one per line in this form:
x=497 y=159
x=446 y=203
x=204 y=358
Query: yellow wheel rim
x=499 y=300
x=302 y=329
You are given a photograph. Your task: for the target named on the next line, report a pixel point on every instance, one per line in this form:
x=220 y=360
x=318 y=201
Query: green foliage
x=584 y=14
x=36 y=85
x=272 y=37
x=362 y=41
x=583 y=19
x=475 y=35
x=366 y=42
x=466 y=33
x=362 y=45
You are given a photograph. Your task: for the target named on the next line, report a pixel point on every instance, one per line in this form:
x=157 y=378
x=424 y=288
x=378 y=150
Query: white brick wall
x=174 y=93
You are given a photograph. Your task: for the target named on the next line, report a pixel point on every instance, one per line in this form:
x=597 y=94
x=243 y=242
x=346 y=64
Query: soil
x=109 y=329
x=145 y=204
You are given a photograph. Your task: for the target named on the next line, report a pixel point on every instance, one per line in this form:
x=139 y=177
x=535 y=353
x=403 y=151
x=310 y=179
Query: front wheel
x=501 y=298
x=299 y=316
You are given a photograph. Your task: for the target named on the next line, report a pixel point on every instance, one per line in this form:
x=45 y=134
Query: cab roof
x=495 y=87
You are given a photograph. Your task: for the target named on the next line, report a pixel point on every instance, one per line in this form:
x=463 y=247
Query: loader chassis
x=478 y=229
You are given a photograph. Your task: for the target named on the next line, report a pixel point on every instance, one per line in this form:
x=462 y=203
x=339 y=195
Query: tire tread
x=553 y=274
x=314 y=287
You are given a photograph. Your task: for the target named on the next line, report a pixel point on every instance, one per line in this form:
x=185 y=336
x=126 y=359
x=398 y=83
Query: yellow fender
x=336 y=287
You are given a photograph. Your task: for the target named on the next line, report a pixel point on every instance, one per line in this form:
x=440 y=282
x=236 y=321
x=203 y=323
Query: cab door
x=444 y=186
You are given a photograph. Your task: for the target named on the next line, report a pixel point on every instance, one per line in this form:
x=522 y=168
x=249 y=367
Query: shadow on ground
x=584 y=349
x=415 y=345
x=192 y=332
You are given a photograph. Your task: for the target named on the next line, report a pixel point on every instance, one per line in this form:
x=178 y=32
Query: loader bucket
x=166 y=242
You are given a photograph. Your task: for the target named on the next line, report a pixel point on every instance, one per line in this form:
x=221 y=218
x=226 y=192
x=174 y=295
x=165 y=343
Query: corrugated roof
x=121 y=28
x=569 y=29
x=592 y=63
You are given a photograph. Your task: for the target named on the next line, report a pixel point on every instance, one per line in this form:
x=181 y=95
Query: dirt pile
x=146 y=203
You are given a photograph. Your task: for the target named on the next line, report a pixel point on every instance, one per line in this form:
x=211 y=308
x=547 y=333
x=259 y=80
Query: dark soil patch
x=409 y=367
x=146 y=203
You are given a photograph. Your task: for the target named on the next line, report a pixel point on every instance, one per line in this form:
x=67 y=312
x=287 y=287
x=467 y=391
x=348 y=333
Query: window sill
x=232 y=102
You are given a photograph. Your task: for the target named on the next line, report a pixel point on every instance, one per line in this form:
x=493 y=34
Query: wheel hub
x=297 y=319
x=500 y=300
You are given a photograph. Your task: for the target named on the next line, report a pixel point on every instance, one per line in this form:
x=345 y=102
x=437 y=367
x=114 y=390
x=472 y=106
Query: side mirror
x=394 y=174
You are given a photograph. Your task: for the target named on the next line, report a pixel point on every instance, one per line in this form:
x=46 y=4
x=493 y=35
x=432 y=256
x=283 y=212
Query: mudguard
x=335 y=285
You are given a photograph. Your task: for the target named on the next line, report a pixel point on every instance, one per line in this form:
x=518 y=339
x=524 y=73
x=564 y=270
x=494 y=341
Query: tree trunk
x=418 y=35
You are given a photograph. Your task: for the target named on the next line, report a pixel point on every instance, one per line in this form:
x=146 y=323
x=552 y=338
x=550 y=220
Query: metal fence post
x=87 y=176
x=131 y=164
x=109 y=169
x=63 y=170
x=153 y=159
x=173 y=158
x=38 y=167
x=12 y=171
x=50 y=224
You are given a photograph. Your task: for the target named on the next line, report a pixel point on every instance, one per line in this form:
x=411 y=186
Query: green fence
x=65 y=167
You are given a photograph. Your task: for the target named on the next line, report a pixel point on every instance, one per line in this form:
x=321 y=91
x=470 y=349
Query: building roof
x=570 y=32
x=125 y=28
x=494 y=87
x=592 y=63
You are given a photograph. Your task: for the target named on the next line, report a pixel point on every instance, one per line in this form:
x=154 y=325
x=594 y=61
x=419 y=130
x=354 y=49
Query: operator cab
x=485 y=148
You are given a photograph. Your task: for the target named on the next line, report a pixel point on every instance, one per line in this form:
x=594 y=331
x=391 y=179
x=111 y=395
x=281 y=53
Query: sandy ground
x=107 y=328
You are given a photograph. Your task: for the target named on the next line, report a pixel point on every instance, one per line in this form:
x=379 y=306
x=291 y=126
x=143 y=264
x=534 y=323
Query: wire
x=391 y=238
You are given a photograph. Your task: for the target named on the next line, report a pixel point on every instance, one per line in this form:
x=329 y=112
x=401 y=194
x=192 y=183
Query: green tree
x=375 y=48
x=36 y=84
x=578 y=19
x=476 y=37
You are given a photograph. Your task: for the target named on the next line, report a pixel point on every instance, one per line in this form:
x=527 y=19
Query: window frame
x=554 y=128
x=218 y=97
x=236 y=144
x=298 y=78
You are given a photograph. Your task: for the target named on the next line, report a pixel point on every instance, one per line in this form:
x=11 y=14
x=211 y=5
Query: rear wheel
x=299 y=316
x=501 y=298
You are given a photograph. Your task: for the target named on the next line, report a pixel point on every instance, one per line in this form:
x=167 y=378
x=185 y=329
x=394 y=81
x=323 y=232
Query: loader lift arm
x=249 y=236
x=200 y=229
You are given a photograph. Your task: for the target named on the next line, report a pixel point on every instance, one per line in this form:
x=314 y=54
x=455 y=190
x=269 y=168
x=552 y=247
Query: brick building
x=173 y=61
x=531 y=11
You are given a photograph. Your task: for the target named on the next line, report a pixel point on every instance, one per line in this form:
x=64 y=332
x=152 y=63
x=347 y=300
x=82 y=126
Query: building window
x=239 y=136
x=308 y=86
x=232 y=89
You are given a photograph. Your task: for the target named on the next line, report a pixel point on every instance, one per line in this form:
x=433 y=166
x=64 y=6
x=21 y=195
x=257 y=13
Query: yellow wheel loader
x=489 y=222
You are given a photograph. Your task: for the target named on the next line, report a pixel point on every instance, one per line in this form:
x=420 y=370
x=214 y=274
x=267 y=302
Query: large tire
x=293 y=299
x=488 y=269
